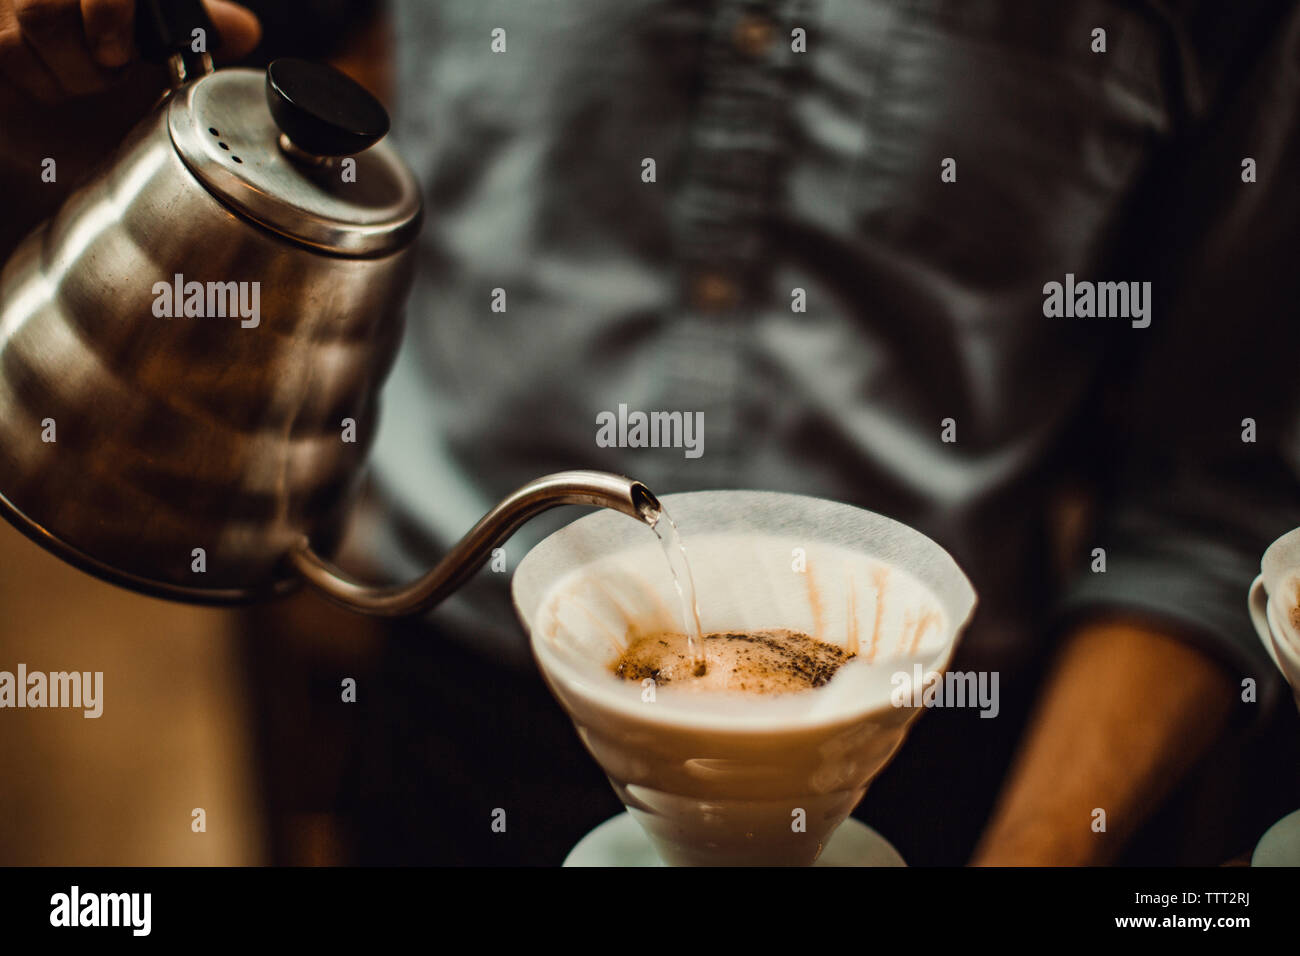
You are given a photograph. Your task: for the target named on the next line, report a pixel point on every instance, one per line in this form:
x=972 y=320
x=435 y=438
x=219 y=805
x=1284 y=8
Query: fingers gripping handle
x=177 y=33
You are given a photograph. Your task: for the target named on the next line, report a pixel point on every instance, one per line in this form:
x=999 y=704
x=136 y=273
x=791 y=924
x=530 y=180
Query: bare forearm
x=1126 y=711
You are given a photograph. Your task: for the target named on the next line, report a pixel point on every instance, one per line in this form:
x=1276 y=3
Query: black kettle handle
x=165 y=28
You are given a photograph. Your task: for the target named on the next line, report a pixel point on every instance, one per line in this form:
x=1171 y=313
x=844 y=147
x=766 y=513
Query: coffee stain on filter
x=927 y=620
x=609 y=634
x=1295 y=604
x=637 y=602
x=570 y=599
x=617 y=591
x=851 y=620
x=623 y=612
x=909 y=621
x=815 y=603
x=879 y=580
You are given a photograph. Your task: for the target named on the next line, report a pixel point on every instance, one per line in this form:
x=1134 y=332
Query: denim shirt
x=840 y=260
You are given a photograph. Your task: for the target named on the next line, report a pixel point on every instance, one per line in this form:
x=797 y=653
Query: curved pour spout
x=596 y=489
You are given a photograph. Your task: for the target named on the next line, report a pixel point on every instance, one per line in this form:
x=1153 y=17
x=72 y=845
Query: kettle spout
x=595 y=489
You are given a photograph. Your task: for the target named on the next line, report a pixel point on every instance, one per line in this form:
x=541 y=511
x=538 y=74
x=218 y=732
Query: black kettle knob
x=322 y=111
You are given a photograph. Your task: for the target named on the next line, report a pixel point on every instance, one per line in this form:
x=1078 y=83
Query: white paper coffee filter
x=759 y=560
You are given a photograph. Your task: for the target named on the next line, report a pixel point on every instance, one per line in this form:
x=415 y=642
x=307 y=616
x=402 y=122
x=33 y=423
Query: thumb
x=237 y=26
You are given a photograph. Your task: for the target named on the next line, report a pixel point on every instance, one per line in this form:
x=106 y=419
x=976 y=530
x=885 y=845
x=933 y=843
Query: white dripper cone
x=716 y=779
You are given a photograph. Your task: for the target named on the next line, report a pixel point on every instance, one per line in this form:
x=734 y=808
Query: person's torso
x=836 y=260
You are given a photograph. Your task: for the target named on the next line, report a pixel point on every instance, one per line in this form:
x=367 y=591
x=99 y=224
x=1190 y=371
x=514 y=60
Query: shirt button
x=714 y=292
x=754 y=35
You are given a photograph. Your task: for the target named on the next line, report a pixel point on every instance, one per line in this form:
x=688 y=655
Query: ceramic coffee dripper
x=211 y=458
x=758 y=781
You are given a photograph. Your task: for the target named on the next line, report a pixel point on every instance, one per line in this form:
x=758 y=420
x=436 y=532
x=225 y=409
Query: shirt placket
x=737 y=143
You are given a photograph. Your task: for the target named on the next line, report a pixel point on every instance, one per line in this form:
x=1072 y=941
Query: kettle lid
x=297 y=149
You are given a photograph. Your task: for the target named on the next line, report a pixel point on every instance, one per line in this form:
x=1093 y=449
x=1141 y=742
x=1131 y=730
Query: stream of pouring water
x=671 y=541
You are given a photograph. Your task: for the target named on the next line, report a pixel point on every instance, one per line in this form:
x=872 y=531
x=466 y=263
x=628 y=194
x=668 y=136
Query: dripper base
x=1279 y=846
x=620 y=841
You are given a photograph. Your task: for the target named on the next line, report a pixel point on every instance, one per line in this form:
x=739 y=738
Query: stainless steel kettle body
x=191 y=350
x=186 y=451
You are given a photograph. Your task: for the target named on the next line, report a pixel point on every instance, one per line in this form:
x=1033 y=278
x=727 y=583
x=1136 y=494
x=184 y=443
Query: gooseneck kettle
x=191 y=348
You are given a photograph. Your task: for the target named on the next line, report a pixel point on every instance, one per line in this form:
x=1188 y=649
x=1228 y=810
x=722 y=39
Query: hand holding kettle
x=51 y=50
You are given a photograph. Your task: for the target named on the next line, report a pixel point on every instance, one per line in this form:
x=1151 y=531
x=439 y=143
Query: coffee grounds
x=759 y=662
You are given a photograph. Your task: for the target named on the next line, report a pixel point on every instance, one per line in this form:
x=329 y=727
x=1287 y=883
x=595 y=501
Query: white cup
x=1274 y=596
x=760 y=780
